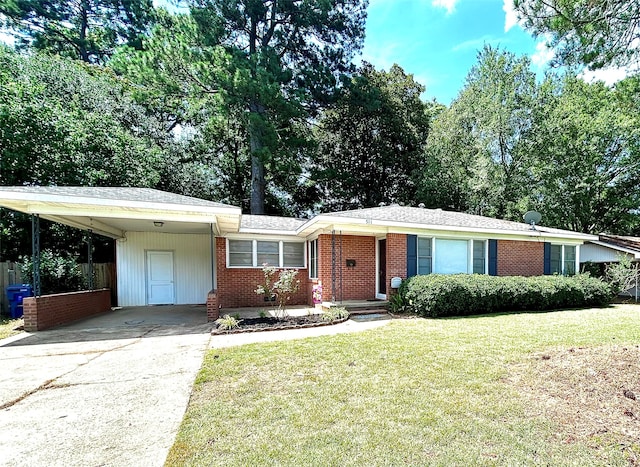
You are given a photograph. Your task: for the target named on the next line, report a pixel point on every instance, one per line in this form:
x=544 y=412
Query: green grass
x=8 y=326
x=416 y=392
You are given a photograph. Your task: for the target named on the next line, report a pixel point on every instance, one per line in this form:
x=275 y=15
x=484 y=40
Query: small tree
x=622 y=275
x=281 y=288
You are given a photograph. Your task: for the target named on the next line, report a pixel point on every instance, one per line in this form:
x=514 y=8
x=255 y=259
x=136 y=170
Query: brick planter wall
x=518 y=258
x=48 y=311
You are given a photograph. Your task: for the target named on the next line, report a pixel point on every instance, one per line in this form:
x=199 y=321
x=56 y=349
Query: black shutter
x=493 y=257
x=547 y=258
x=412 y=255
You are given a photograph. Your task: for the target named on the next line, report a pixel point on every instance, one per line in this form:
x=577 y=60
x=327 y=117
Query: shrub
x=280 y=289
x=436 y=295
x=335 y=314
x=227 y=323
x=58 y=273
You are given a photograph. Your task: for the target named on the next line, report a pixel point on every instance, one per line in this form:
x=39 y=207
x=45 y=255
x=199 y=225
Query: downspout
x=213 y=258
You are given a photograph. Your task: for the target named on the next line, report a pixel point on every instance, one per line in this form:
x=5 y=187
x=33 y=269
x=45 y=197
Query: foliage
x=334 y=314
x=622 y=275
x=266 y=66
x=88 y=30
x=10 y=327
x=436 y=295
x=58 y=273
x=476 y=162
x=282 y=288
x=372 y=140
x=597 y=33
x=227 y=323
x=398 y=302
x=585 y=144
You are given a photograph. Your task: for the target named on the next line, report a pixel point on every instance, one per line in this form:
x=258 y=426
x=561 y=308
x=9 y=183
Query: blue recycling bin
x=15 y=294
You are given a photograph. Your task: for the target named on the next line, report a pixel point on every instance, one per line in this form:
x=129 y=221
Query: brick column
x=213 y=312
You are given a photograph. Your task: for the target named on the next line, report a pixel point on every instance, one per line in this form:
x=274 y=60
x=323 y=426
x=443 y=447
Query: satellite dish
x=532 y=218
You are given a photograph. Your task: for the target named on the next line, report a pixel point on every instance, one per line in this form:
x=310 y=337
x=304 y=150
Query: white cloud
x=449 y=5
x=383 y=56
x=511 y=16
x=543 y=54
x=610 y=76
x=7 y=39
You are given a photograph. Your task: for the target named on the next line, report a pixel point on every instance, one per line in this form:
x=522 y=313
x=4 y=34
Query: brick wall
x=518 y=258
x=396 y=258
x=359 y=282
x=48 y=311
x=236 y=286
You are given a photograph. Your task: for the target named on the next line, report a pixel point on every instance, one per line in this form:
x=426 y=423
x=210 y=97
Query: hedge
x=436 y=295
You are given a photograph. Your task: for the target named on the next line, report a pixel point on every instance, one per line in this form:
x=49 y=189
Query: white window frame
x=563 y=267
x=255 y=264
x=313 y=245
x=469 y=241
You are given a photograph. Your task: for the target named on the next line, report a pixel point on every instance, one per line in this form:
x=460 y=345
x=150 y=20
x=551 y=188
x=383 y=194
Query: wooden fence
x=104 y=277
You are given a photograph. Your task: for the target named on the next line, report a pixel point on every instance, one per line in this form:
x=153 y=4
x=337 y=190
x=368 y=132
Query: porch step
x=359 y=307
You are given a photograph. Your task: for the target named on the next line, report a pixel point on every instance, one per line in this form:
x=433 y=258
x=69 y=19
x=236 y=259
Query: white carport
x=164 y=241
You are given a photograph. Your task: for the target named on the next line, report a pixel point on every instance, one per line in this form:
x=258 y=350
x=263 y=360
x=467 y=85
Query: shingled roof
x=132 y=194
x=631 y=243
x=439 y=217
x=250 y=223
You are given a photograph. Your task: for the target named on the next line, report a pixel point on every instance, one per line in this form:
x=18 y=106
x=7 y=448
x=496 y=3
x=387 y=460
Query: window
x=424 y=255
x=241 y=253
x=255 y=253
x=313 y=259
x=268 y=253
x=293 y=254
x=479 y=256
x=563 y=259
x=451 y=256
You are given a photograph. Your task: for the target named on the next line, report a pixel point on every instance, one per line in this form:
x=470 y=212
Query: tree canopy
x=596 y=33
x=88 y=30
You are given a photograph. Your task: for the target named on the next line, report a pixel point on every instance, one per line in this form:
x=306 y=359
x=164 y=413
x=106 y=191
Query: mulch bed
x=275 y=324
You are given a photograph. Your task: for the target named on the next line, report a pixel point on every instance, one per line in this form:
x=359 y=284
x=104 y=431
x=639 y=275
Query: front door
x=382 y=266
x=160 y=287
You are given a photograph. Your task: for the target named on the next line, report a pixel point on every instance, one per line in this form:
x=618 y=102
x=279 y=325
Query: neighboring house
x=608 y=249
x=177 y=249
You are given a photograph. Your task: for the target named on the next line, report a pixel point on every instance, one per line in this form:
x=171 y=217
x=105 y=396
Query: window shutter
x=412 y=255
x=547 y=258
x=493 y=257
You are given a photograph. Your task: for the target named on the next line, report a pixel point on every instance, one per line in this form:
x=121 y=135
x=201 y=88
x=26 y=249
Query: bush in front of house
x=437 y=295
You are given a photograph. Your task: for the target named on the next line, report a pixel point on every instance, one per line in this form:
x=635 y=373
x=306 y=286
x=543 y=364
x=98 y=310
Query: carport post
x=35 y=252
x=90 y=257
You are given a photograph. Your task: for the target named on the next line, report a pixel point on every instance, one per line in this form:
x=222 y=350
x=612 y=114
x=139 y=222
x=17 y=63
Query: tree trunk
x=256 y=114
x=84 y=25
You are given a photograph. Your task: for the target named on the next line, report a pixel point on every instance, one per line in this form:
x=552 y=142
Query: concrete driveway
x=107 y=391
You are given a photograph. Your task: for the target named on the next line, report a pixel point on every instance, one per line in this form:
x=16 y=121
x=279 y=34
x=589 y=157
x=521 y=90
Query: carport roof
x=111 y=211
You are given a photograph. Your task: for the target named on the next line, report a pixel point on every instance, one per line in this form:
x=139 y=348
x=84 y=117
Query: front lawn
x=523 y=389
x=9 y=327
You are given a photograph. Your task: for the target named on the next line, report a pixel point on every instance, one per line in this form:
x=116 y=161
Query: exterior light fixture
x=158 y=223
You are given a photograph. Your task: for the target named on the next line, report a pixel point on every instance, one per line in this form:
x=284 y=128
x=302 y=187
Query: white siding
x=192 y=266
x=598 y=254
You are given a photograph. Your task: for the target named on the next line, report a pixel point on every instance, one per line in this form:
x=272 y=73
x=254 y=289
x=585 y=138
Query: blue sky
x=438 y=40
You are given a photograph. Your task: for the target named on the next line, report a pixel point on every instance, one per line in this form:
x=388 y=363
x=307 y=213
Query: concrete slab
x=110 y=390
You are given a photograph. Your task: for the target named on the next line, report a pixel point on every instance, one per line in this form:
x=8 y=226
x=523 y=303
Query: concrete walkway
x=109 y=391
